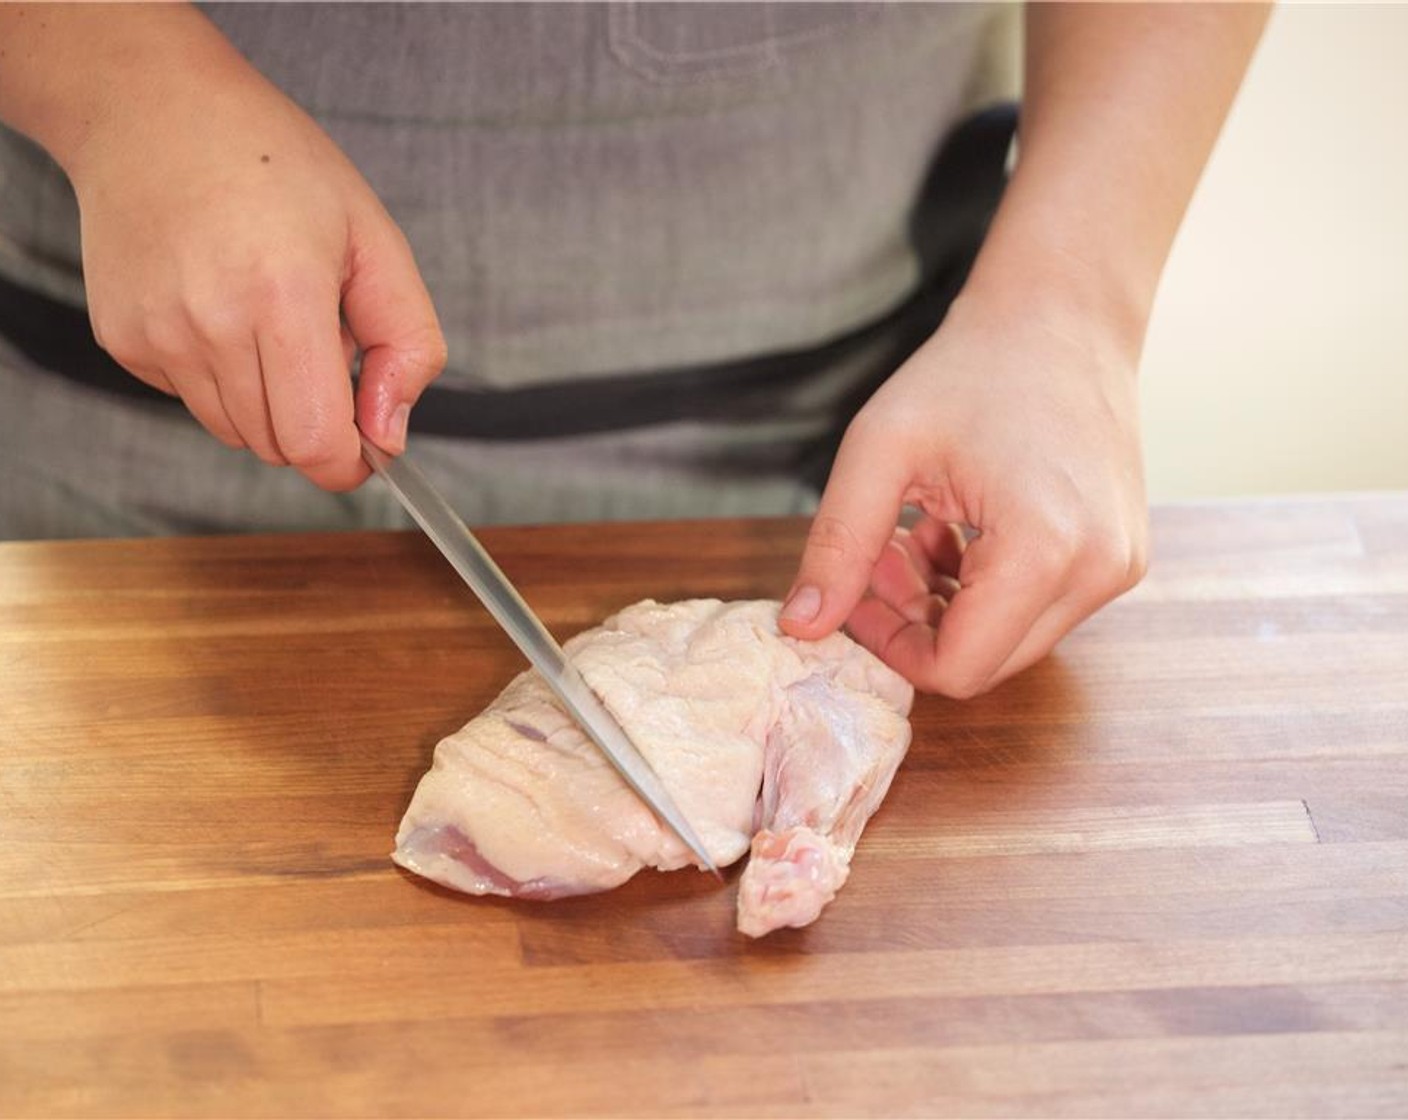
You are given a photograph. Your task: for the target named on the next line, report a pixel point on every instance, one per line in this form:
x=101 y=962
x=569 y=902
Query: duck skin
x=767 y=744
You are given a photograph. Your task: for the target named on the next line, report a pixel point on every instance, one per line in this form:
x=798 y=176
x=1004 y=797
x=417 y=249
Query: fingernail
x=803 y=606
x=400 y=420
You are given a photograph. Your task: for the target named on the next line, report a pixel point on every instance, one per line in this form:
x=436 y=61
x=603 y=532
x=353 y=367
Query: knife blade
x=468 y=557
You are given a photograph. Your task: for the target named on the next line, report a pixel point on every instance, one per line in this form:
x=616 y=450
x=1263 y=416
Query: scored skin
x=520 y=803
x=551 y=815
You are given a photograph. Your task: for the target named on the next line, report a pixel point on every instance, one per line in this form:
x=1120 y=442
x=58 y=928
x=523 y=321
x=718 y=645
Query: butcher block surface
x=1165 y=872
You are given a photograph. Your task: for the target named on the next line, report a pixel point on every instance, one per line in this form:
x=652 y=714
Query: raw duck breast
x=765 y=742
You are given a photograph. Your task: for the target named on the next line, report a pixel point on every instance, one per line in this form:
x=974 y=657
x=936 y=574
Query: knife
x=463 y=550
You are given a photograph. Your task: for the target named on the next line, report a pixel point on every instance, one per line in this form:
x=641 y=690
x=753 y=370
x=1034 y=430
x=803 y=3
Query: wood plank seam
x=1309 y=816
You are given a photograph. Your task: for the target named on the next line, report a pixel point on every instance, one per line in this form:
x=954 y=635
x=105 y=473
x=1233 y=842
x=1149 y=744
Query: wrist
x=1044 y=264
x=75 y=72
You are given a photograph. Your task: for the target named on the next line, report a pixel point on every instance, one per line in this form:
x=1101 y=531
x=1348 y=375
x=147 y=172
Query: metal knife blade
x=460 y=547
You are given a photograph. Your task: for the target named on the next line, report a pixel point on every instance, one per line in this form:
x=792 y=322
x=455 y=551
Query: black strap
x=947 y=226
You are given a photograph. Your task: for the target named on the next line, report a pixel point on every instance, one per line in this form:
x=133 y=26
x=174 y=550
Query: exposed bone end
x=790 y=877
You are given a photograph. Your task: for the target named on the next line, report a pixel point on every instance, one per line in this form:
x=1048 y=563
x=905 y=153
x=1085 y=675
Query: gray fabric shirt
x=596 y=189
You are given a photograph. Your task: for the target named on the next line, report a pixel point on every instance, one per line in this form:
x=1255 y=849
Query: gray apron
x=591 y=192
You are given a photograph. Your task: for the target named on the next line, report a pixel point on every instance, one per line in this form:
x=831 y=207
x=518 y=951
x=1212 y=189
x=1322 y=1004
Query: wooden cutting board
x=1166 y=871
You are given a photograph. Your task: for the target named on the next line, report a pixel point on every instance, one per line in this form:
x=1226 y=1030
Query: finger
x=131 y=358
x=906 y=582
x=240 y=383
x=202 y=399
x=1069 y=611
x=855 y=520
x=897 y=581
x=1058 y=621
x=906 y=606
x=1002 y=596
x=889 y=633
x=155 y=378
x=935 y=551
x=1004 y=592
x=389 y=313
x=942 y=543
x=916 y=556
x=160 y=351
x=309 y=388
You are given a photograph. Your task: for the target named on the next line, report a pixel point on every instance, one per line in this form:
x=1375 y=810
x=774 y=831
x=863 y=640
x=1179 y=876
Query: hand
x=1020 y=425
x=235 y=258
x=1018 y=419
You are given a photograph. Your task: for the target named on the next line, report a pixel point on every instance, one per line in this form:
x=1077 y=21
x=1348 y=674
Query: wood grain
x=1163 y=873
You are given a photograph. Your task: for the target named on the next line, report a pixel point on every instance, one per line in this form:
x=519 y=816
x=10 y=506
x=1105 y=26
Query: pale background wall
x=1277 y=360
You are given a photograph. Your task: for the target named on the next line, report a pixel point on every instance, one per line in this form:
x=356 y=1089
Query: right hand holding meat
x=234 y=257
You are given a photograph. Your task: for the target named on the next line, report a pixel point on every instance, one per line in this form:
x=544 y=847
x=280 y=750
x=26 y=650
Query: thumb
x=389 y=313
x=855 y=520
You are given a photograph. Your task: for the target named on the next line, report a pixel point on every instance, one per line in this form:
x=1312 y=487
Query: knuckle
x=943 y=681
x=1114 y=562
x=1106 y=561
x=1139 y=548
x=99 y=328
x=413 y=361
x=830 y=536
x=122 y=343
x=1052 y=561
x=342 y=483
x=269 y=286
x=1138 y=563
x=1076 y=550
x=165 y=337
x=434 y=352
x=215 y=320
x=218 y=425
x=287 y=288
x=874 y=426
x=1061 y=556
x=316 y=447
x=125 y=349
x=308 y=451
x=268 y=453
